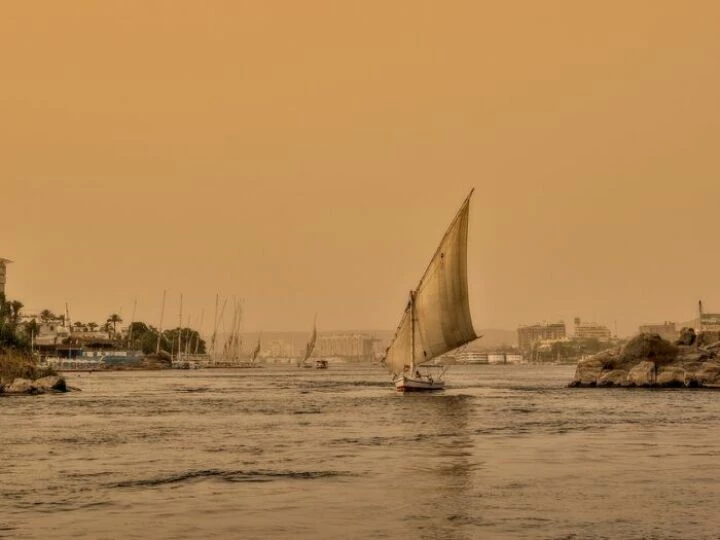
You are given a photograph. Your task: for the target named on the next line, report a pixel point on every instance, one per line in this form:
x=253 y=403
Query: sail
x=440 y=303
x=310 y=344
x=255 y=351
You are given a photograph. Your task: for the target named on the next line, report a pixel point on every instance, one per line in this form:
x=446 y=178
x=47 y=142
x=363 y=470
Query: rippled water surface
x=280 y=452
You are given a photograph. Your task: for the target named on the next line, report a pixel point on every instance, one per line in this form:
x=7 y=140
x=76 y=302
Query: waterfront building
x=514 y=358
x=356 y=346
x=3 y=273
x=530 y=334
x=51 y=333
x=667 y=330
x=591 y=331
x=469 y=357
x=496 y=358
x=707 y=322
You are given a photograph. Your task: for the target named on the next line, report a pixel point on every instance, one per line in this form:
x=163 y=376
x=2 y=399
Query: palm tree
x=47 y=315
x=31 y=328
x=114 y=319
x=92 y=326
x=78 y=326
x=16 y=306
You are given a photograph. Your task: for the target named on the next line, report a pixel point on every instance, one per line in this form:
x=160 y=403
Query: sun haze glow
x=307 y=157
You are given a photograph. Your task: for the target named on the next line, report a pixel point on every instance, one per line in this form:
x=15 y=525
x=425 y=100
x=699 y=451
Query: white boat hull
x=404 y=383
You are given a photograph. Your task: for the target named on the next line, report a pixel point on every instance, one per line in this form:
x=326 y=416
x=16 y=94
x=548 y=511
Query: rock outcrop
x=648 y=361
x=51 y=383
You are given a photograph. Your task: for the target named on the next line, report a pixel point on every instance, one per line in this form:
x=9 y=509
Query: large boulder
x=588 y=372
x=615 y=377
x=707 y=374
x=642 y=374
x=669 y=376
x=21 y=386
x=51 y=383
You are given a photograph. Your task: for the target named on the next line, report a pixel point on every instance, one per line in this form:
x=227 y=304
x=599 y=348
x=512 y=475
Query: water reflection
x=441 y=463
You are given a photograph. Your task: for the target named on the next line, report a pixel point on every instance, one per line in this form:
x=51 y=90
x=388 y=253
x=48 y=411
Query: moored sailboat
x=309 y=347
x=437 y=317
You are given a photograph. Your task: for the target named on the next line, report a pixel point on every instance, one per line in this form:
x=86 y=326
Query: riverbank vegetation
x=20 y=365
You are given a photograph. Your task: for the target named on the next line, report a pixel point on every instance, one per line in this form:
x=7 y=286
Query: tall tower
x=3 y=263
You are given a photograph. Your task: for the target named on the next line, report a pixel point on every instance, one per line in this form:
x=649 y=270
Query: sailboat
x=437 y=316
x=309 y=347
x=255 y=352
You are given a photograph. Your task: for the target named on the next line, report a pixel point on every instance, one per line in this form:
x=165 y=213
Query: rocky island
x=648 y=361
x=20 y=375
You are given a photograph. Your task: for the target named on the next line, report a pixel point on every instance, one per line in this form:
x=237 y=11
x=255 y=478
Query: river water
x=282 y=452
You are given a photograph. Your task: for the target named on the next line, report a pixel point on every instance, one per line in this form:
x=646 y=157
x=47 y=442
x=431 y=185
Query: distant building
x=706 y=322
x=469 y=357
x=667 y=330
x=51 y=334
x=703 y=322
x=591 y=331
x=358 y=346
x=531 y=334
x=3 y=273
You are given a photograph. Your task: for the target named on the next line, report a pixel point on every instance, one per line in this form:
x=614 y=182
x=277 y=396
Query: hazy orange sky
x=307 y=157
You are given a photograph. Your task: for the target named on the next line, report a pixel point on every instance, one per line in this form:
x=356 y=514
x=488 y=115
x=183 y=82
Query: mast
x=215 y=325
x=162 y=313
x=412 y=332
x=187 y=339
x=179 y=333
x=197 y=336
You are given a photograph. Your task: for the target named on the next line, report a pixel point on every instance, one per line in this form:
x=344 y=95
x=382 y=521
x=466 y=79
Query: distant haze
x=307 y=156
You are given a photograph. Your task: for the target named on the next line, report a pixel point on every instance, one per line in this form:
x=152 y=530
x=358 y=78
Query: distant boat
x=309 y=347
x=321 y=364
x=255 y=352
x=437 y=317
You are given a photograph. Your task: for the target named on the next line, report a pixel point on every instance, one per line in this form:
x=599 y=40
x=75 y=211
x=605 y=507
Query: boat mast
x=162 y=313
x=412 y=332
x=179 y=332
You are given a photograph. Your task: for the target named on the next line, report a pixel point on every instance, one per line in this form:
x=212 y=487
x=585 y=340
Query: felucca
x=309 y=347
x=437 y=317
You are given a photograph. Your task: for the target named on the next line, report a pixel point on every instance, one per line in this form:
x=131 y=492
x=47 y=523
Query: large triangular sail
x=310 y=346
x=255 y=351
x=437 y=317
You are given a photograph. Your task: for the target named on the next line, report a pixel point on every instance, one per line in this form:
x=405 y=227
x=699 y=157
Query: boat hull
x=403 y=383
